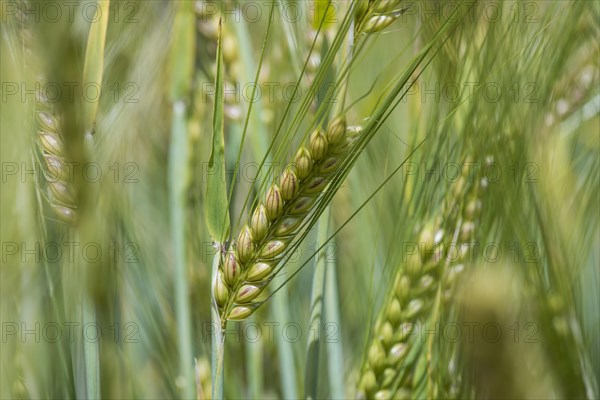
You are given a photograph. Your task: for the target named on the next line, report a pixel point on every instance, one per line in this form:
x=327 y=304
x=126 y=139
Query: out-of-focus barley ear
x=409 y=302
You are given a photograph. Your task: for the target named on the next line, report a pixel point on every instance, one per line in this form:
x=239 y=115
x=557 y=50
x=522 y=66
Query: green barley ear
x=389 y=369
x=274 y=222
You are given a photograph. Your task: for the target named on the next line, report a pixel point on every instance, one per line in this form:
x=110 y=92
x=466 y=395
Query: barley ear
x=275 y=222
x=388 y=372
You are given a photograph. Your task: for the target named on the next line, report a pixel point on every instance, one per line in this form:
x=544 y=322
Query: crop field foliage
x=370 y=199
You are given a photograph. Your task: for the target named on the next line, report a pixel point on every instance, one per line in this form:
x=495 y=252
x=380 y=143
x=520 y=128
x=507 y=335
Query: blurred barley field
x=370 y=199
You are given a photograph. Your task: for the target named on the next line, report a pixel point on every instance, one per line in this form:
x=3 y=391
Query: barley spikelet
x=278 y=218
x=389 y=366
x=375 y=15
x=48 y=133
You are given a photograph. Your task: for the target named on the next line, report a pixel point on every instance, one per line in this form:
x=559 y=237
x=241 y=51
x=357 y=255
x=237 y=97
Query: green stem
x=218 y=338
x=335 y=354
x=90 y=352
x=177 y=172
x=254 y=365
x=316 y=312
x=287 y=366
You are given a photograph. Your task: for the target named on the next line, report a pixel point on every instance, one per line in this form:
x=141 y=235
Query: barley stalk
x=388 y=371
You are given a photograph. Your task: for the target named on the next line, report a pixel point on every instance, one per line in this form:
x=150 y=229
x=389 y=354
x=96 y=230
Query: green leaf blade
x=216 y=206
